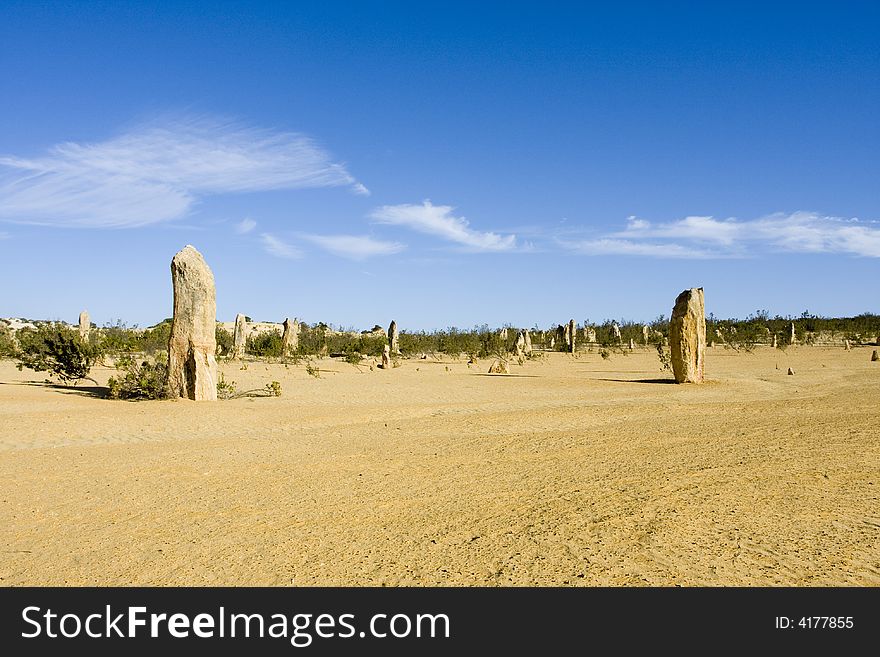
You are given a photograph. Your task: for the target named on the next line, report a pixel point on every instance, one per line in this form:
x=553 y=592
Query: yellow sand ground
x=569 y=471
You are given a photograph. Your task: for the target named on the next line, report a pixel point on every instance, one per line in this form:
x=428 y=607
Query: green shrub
x=7 y=342
x=265 y=344
x=57 y=348
x=155 y=339
x=225 y=341
x=225 y=389
x=116 y=339
x=144 y=380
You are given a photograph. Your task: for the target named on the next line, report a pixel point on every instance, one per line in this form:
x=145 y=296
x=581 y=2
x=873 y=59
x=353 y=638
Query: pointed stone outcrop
x=290 y=337
x=615 y=331
x=572 y=335
x=792 y=338
x=520 y=344
x=393 y=338
x=527 y=348
x=499 y=367
x=239 y=336
x=687 y=336
x=386 y=357
x=85 y=325
x=192 y=345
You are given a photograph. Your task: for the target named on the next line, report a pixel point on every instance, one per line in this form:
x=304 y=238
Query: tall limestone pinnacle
x=192 y=345
x=85 y=325
x=687 y=336
x=239 y=336
x=394 y=337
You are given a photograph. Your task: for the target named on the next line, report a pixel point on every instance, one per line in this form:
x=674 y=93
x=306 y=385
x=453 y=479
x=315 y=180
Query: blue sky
x=441 y=164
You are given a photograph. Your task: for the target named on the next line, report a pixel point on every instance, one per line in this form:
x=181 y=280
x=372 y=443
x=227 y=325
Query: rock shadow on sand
x=95 y=391
x=659 y=381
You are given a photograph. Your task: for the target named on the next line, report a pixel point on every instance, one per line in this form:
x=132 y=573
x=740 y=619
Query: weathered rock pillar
x=394 y=338
x=687 y=336
x=85 y=325
x=192 y=345
x=615 y=331
x=520 y=344
x=239 y=338
x=290 y=338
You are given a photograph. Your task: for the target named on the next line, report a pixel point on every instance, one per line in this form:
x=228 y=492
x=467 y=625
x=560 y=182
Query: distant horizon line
x=352 y=329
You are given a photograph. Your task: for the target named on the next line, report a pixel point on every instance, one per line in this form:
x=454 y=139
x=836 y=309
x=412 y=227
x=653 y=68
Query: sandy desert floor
x=569 y=471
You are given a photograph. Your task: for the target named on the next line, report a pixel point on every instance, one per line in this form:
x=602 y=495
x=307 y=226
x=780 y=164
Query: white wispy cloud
x=158 y=171
x=707 y=237
x=245 y=226
x=439 y=221
x=355 y=247
x=360 y=189
x=279 y=248
x=699 y=229
x=608 y=246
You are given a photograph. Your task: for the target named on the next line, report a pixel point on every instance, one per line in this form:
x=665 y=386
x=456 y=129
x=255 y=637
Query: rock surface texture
x=239 y=338
x=192 y=366
x=290 y=337
x=394 y=337
x=499 y=367
x=687 y=336
x=85 y=325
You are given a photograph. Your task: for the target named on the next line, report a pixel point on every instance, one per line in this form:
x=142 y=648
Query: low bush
x=265 y=344
x=140 y=380
x=56 y=348
x=225 y=341
x=7 y=342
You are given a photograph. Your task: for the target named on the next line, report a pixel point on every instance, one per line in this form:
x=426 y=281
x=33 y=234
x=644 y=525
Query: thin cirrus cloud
x=706 y=237
x=279 y=248
x=609 y=246
x=245 y=226
x=355 y=247
x=157 y=172
x=438 y=220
